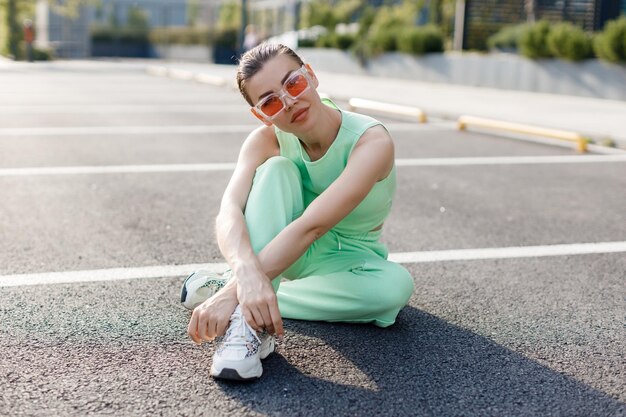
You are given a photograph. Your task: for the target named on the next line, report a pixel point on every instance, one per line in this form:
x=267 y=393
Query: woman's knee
x=279 y=165
x=277 y=179
x=398 y=287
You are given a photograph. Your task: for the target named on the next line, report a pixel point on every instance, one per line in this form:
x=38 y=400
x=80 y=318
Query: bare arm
x=211 y=318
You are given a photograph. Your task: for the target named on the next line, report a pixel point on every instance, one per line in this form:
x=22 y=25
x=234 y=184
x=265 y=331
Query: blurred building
x=67 y=36
x=157 y=12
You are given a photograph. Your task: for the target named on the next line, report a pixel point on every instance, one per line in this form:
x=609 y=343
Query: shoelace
x=239 y=338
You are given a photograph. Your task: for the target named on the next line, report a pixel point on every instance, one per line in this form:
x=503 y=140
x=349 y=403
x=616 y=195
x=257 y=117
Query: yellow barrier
x=578 y=139
x=359 y=103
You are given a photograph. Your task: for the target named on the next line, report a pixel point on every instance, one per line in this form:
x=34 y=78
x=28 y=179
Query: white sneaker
x=238 y=355
x=200 y=286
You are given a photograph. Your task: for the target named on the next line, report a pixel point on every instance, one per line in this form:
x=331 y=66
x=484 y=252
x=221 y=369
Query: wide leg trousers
x=340 y=278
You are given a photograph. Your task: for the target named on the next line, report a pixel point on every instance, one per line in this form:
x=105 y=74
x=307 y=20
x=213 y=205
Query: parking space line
x=166 y=271
x=119 y=108
x=166 y=130
x=229 y=166
x=117 y=169
x=511 y=160
x=126 y=130
x=509 y=252
x=113 y=274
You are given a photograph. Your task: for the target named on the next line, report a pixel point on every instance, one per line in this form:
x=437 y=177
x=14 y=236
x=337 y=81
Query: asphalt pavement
x=517 y=250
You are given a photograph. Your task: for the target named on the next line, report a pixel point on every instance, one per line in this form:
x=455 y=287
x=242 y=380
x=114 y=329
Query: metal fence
x=485 y=17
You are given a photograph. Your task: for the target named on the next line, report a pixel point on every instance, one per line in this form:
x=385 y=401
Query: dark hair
x=252 y=61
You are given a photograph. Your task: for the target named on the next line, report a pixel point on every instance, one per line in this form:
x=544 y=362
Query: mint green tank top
x=318 y=175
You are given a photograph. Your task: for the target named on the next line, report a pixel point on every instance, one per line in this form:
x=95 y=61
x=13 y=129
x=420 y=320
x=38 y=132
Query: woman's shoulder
x=376 y=134
x=358 y=123
x=261 y=140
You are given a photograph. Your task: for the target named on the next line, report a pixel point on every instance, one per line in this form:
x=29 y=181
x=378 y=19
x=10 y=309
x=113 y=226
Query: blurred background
x=215 y=30
x=573 y=47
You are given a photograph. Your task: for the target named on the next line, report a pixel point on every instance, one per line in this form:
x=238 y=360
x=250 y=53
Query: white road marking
x=113 y=274
x=228 y=166
x=120 y=108
x=167 y=130
x=117 y=169
x=166 y=271
x=511 y=160
x=508 y=252
x=125 y=130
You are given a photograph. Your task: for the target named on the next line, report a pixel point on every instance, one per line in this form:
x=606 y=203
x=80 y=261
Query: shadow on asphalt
x=420 y=366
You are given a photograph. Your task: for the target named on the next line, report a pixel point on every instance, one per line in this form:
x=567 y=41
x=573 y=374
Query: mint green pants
x=339 y=278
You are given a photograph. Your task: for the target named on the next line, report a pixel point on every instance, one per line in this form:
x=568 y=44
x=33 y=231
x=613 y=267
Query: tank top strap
x=288 y=143
x=353 y=125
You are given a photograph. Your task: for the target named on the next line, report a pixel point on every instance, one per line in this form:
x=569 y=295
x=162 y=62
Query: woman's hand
x=259 y=304
x=210 y=319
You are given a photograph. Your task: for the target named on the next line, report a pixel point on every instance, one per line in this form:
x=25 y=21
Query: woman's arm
x=210 y=319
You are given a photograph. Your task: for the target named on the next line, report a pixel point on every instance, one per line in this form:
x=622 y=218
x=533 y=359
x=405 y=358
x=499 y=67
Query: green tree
x=569 y=42
x=13 y=28
x=137 y=19
x=12 y=14
x=610 y=44
x=533 y=42
x=230 y=15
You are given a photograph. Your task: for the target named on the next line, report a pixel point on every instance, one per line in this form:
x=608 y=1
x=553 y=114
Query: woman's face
x=296 y=113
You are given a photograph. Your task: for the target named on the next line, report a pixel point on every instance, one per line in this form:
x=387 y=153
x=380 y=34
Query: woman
x=306 y=203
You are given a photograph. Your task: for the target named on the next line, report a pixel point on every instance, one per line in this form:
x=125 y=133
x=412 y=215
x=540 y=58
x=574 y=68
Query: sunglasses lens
x=271 y=106
x=296 y=85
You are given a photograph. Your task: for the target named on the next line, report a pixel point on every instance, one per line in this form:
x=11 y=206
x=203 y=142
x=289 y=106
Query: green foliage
x=181 y=36
x=345 y=11
x=507 y=38
x=387 y=26
x=70 y=8
x=306 y=43
x=420 y=40
x=569 y=42
x=384 y=40
x=136 y=29
x=330 y=13
x=12 y=14
x=441 y=13
x=319 y=13
x=226 y=37
x=40 y=54
x=14 y=30
x=326 y=40
x=230 y=16
x=137 y=19
x=343 y=41
x=534 y=40
x=610 y=45
x=366 y=20
x=111 y=34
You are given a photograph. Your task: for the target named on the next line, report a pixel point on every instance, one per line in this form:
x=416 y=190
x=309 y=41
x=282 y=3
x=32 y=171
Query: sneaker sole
x=183 y=291
x=232 y=375
x=235 y=375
